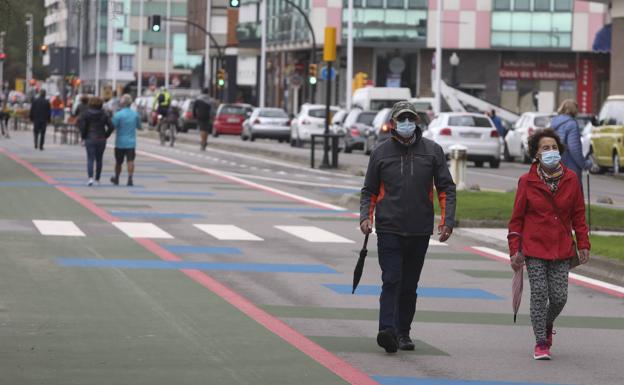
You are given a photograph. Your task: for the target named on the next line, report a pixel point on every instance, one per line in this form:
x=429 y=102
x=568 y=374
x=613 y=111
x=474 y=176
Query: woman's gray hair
x=126 y=100
x=568 y=107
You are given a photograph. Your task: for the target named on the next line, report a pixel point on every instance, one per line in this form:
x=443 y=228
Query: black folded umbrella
x=359 y=267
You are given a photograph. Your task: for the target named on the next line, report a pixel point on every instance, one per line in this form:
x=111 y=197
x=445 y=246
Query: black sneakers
x=387 y=340
x=130 y=182
x=114 y=180
x=406 y=343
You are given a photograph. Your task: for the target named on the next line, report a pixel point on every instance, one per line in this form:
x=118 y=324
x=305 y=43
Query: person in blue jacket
x=566 y=126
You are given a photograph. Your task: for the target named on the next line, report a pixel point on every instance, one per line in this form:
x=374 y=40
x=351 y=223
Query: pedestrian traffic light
x=221 y=78
x=2 y=56
x=43 y=48
x=359 y=80
x=234 y=3
x=312 y=74
x=156 y=23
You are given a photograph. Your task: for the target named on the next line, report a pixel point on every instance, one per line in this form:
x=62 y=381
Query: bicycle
x=166 y=131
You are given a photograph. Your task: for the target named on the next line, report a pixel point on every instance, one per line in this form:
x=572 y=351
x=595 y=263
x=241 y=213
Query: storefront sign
x=585 y=85
x=537 y=70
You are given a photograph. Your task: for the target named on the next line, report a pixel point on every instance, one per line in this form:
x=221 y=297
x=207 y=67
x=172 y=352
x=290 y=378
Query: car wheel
x=347 y=149
x=252 y=138
x=479 y=163
x=495 y=163
x=616 y=163
x=244 y=138
x=215 y=134
x=280 y=140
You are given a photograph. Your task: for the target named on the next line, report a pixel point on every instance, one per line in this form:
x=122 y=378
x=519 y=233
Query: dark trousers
x=95 y=153
x=401 y=260
x=39 y=130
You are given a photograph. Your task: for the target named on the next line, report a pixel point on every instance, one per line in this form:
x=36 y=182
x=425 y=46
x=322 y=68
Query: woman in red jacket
x=549 y=204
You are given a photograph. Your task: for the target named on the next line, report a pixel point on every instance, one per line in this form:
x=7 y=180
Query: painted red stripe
x=332 y=362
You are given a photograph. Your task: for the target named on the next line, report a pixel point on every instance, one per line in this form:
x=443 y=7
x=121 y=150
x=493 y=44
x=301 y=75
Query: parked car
x=310 y=120
x=230 y=117
x=187 y=119
x=422 y=104
x=358 y=128
x=475 y=131
x=517 y=138
x=607 y=138
x=338 y=121
x=271 y=123
x=382 y=124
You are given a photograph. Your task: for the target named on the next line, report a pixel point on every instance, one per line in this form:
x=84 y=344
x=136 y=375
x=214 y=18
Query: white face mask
x=550 y=158
x=406 y=128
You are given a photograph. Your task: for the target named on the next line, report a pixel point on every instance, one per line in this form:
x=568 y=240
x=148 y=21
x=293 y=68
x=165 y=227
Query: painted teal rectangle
x=431 y=292
x=151 y=214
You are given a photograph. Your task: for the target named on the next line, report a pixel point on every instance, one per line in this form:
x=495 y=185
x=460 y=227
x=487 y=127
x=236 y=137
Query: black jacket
x=95 y=125
x=202 y=108
x=40 y=110
x=398 y=188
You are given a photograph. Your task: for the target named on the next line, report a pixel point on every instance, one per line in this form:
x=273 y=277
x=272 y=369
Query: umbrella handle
x=365 y=241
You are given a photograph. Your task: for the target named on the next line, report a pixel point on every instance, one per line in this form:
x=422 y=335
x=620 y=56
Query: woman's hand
x=366 y=227
x=517 y=261
x=583 y=256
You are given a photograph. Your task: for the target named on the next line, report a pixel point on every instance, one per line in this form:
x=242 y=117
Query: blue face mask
x=550 y=158
x=406 y=128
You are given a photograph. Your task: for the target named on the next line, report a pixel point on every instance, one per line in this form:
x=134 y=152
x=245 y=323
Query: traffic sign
x=296 y=80
x=324 y=73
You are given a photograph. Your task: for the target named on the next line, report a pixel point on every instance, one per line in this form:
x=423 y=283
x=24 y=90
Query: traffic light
x=234 y=3
x=2 y=56
x=43 y=48
x=156 y=23
x=359 y=80
x=221 y=78
x=312 y=74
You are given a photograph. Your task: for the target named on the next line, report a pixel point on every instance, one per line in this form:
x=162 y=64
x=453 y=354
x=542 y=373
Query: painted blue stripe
x=431 y=292
x=340 y=191
x=157 y=264
x=183 y=249
x=151 y=214
x=384 y=380
x=184 y=193
x=44 y=184
x=136 y=176
x=295 y=210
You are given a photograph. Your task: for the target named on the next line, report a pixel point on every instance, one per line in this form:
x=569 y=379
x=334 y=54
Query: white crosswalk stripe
x=228 y=232
x=313 y=234
x=142 y=230
x=58 y=228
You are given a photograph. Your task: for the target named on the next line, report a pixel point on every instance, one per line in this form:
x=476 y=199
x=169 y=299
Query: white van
x=377 y=98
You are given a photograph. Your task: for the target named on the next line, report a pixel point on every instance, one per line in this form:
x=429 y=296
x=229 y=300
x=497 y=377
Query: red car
x=230 y=117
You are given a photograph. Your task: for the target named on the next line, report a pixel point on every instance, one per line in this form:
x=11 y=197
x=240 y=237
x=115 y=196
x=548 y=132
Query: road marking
x=58 y=228
x=313 y=234
x=228 y=232
x=152 y=214
x=142 y=230
x=429 y=292
x=578 y=279
x=290 y=181
x=164 y=192
x=188 y=249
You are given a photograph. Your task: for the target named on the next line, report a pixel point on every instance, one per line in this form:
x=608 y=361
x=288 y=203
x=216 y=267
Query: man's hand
x=517 y=261
x=366 y=226
x=444 y=232
x=583 y=256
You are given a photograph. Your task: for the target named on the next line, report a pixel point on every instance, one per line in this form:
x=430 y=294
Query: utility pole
x=97 y=47
x=140 y=53
x=29 y=51
x=263 y=15
x=438 y=59
x=111 y=17
x=349 y=90
x=207 y=77
x=167 y=44
x=2 y=33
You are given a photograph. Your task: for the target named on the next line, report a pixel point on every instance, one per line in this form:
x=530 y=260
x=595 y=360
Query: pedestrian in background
x=81 y=108
x=398 y=191
x=95 y=128
x=4 y=115
x=548 y=205
x=498 y=123
x=202 y=110
x=126 y=121
x=566 y=126
x=40 y=116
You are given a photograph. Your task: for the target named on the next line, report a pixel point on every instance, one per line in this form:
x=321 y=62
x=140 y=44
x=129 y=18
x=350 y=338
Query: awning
x=602 y=40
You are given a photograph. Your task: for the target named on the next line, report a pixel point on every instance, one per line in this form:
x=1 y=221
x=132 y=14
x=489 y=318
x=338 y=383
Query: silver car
x=270 y=123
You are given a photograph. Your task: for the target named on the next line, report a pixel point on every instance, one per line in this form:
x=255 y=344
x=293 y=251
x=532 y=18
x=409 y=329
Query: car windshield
x=469 y=121
x=612 y=113
x=233 y=110
x=273 y=113
x=366 y=118
x=377 y=105
x=542 y=121
x=318 y=112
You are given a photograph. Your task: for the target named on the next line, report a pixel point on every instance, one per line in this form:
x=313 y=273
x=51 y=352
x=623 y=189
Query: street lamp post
x=454 y=62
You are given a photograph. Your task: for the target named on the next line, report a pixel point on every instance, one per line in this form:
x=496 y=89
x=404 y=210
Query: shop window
x=395 y=4
x=541 y=5
x=418 y=4
x=356 y=4
x=502 y=5
x=374 y=3
x=563 y=5
x=522 y=5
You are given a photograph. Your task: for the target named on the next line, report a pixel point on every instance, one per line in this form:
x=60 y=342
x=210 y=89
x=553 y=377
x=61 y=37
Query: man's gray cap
x=401 y=107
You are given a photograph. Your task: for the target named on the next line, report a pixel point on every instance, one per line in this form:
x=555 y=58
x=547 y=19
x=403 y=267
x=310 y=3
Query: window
x=126 y=63
x=395 y=4
x=612 y=113
x=366 y=118
x=522 y=5
x=356 y=4
x=502 y=5
x=469 y=121
x=563 y=5
x=273 y=113
x=541 y=5
x=157 y=53
x=374 y=3
x=119 y=34
x=418 y=4
x=542 y=121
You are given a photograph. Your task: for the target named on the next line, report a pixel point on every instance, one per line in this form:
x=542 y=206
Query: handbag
x=575 y=261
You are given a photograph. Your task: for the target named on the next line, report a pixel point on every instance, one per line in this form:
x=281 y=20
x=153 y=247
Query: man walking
x=40 y=116
x=398 y=191
x=202 y=110
x=126 y=122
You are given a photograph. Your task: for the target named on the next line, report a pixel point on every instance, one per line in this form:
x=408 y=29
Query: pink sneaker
x=549 y=335
x=542 y=352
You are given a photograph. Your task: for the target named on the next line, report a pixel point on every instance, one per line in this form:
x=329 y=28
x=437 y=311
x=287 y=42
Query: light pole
x=140 y=53
x=207 y=40
x=349 y=90
x=2 y=33
x=167 y=43
x=454 y=62
x=263 y=47
x=438 y=59
x=29 y=52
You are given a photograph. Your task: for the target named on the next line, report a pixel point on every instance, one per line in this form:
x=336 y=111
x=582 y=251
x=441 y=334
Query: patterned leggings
x=549 y=292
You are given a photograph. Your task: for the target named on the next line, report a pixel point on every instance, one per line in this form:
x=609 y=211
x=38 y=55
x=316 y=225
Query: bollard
x=459 y=158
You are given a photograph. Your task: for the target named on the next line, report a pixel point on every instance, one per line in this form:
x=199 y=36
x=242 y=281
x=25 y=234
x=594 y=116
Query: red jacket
x=544 y=235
